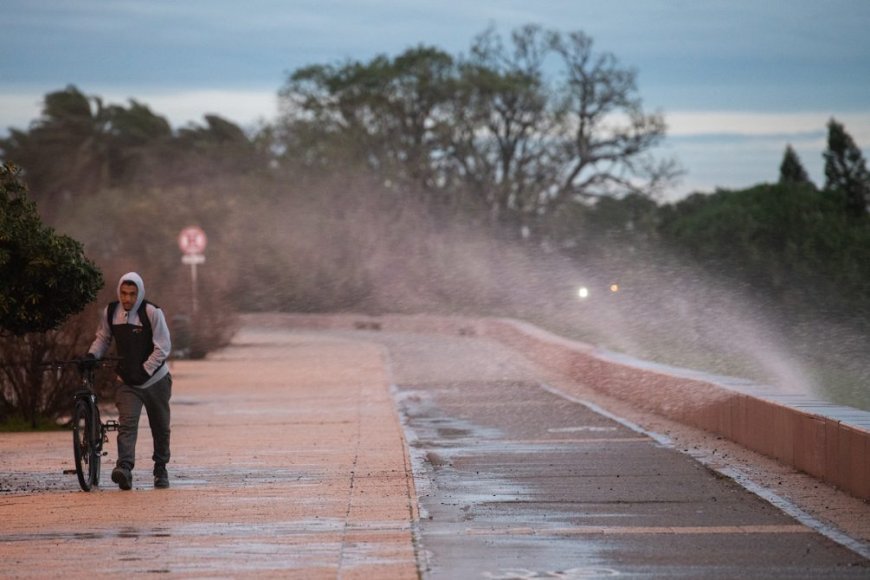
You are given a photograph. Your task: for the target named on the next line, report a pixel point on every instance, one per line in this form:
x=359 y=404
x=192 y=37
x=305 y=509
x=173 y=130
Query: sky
x=736 y=80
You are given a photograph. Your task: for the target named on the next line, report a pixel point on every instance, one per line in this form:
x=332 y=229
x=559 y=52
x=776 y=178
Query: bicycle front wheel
x=85 y=446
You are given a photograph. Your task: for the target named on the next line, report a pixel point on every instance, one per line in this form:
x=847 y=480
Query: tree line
x=471 y=183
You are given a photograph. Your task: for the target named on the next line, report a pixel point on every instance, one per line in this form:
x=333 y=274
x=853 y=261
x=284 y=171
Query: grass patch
x=19 y=424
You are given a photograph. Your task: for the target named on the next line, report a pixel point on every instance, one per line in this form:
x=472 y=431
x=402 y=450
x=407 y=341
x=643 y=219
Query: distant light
x=583 y=292
x=614 y=287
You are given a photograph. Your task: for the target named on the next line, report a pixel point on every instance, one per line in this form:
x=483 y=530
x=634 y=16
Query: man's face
x=129 y=293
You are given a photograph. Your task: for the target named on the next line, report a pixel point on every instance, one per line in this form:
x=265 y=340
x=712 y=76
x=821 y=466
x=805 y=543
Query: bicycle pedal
x=111 y=425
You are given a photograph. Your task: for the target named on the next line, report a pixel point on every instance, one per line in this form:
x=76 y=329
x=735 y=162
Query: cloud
x=245 y=108
x=18 y=110
x=734 y=150
x=768 y=125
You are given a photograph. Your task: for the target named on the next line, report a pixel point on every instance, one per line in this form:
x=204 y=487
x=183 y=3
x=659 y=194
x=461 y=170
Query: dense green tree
x=44 y=277
x=630 y=218
x=382 y=115
x=846 y=170
x=136 y=138
x=45 y=280
x=217 y=149
x=65 y=151
x=791 y=170
x=80 y=146
x=789 y=241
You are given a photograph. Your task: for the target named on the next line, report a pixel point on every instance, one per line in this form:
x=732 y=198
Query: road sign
x=193 y=259
x=192 y=240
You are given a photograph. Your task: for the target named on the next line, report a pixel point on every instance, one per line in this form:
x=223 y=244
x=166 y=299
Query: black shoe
x=123 y=477
x=161 y=477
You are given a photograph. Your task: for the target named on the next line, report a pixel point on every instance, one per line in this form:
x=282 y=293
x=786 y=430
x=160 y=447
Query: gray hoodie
x=160 y=331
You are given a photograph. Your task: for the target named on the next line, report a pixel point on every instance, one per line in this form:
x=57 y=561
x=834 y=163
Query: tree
x=607 y=150
x=65 y=152
x=543 y=143
x=220 y=147
x=495 y=127
x=788 y=241
x=846 y=170
x=80 y=146
x=44 y=277
x=382 y=115
x=791 y=170
x=501 y=117
x=137 y=141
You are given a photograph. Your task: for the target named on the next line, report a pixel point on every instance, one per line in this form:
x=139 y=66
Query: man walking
x=142 y=339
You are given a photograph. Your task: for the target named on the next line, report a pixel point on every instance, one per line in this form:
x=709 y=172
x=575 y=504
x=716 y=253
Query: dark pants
x=130 y=401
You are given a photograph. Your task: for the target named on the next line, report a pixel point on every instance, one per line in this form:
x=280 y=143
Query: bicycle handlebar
x=82 y=362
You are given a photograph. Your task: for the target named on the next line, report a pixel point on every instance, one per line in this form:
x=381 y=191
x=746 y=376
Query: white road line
x=738 y=476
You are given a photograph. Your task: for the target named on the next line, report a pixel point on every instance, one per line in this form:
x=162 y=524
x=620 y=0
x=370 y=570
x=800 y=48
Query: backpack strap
x=143 y=315
x=110 y=313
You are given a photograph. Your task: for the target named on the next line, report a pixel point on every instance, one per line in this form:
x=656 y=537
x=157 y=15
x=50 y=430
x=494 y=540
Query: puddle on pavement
x=465 y=502
x=27 y=483
x=90 y=535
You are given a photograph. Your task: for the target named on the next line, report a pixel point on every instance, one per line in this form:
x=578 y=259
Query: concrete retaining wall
x=824 y=440
x=827 y=441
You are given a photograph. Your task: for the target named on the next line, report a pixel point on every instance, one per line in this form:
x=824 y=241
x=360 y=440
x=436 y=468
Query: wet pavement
x=288 y=462
x=329 y=454
x=518 y=481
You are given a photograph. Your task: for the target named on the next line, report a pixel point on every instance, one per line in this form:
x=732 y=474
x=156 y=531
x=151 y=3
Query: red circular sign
x=192 y=240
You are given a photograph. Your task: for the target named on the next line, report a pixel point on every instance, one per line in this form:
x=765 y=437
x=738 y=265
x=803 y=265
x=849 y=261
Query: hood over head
x=137 y=280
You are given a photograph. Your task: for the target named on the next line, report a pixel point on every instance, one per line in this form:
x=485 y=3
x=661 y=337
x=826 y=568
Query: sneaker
x=161 y=477
x=123 y=477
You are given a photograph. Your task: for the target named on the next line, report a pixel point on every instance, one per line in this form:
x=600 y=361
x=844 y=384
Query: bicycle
x=89 y=433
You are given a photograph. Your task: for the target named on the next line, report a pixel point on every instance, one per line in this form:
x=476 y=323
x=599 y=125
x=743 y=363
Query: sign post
x=192 y=242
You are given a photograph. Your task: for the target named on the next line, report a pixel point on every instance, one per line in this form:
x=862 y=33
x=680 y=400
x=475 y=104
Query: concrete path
x=288 y=461
x=303 y=453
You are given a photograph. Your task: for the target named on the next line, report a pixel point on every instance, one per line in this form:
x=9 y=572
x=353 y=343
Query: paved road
x=519 y=481
x=290 y=461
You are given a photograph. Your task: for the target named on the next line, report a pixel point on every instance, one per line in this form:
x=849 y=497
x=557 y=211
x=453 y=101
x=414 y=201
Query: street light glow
x=583 y=292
